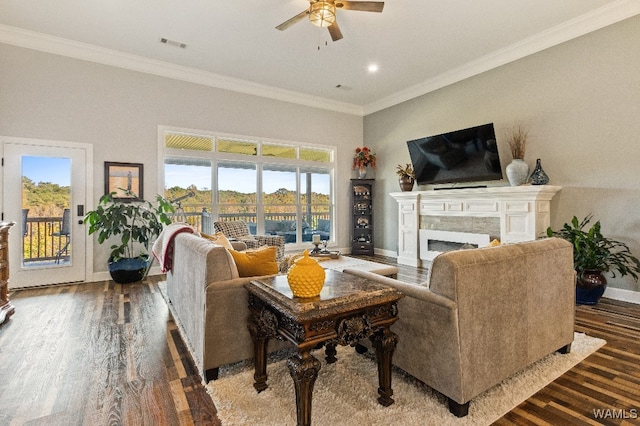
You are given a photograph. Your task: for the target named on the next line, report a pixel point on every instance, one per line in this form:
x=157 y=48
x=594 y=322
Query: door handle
x=80 y=210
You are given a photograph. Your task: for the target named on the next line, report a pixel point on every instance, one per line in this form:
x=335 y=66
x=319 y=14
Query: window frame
x=301 y=167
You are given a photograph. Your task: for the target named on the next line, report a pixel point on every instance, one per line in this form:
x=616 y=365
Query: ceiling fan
x=322 y=13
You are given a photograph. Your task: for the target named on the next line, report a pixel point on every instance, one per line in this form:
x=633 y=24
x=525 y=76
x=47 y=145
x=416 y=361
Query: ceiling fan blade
x=365 y=6
x=290 y=22
x=335 y=32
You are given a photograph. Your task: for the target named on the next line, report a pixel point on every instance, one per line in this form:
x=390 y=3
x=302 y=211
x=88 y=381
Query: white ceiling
x=418 y=45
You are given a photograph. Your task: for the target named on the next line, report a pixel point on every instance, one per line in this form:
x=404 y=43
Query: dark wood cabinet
x=362 y=192
x=6 y=308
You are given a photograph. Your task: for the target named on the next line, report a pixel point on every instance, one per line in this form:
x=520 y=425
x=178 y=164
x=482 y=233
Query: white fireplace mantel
x=524 y=212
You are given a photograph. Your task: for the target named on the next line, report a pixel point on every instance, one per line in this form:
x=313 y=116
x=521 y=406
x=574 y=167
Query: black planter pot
x=128 y=270
x=590 y=287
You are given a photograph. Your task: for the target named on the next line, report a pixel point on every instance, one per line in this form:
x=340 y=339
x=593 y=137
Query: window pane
x=195 y=143
x=280 y=200
x=279 y=185
x=295 y=203
x=315 y=199
x=184 y=177
x=313 y=154
x=237 y=147
x=237 y=193
x=280 y=151
x=46 y=226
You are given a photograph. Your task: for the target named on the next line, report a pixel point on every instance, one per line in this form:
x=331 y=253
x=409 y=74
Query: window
x=278 y=188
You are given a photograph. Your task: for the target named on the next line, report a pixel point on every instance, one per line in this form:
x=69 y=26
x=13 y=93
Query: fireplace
x=515 y=213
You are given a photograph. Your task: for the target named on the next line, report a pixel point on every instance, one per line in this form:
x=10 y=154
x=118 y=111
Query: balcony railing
x=40 y=242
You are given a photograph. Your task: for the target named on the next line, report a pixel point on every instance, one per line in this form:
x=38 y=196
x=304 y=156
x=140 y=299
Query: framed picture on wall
x=123 y=177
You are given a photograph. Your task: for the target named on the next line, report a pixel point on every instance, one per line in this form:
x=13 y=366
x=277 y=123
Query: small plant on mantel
x=407 y=176
x=405 y=172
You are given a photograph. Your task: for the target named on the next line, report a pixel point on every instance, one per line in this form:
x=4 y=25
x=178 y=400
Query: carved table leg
x=261 y=326
x=384 y=341
x=330 y=352
x=303 y=368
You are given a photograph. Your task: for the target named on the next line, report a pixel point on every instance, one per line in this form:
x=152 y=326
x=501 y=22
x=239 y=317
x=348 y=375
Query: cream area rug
x=345 y=392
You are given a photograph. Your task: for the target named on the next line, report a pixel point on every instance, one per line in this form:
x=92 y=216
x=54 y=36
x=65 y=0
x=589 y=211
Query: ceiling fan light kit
x=322 y=13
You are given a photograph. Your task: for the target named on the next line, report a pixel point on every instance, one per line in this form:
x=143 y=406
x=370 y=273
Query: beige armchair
x=240 y=231
x=484 y=315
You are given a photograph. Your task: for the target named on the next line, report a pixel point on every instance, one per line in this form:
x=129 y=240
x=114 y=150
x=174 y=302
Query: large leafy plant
x=134 y=221
x=593 y=251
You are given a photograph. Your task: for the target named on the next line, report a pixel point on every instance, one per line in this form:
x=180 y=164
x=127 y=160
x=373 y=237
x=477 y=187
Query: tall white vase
x=517 y=172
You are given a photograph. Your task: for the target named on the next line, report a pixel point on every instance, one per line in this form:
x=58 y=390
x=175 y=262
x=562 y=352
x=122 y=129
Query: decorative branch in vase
x=517 y=170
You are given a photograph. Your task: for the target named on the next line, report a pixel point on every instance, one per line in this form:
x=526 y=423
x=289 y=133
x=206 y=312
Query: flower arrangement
x=405 y=172
x=517 y=139
x=364 y=157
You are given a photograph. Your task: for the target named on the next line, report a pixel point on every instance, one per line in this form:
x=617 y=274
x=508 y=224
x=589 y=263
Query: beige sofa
x=484 y=315
x=209 y=304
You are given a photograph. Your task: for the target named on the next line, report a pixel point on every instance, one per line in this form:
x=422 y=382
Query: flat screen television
x=467 y=155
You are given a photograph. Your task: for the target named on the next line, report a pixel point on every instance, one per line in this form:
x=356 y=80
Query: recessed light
x=372 y=68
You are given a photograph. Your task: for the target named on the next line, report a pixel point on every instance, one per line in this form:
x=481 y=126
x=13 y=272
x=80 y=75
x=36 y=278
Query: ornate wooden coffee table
x=349 y=309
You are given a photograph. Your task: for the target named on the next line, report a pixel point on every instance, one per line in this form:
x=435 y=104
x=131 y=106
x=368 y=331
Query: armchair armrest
x=416 y=291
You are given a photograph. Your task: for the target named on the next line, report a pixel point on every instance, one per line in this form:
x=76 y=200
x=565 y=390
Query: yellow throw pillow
x=494 y=243
x=219 y=239
x=253 y=263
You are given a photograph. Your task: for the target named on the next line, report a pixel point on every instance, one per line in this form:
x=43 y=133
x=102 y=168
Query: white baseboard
x=387 y=253
x=622 y=295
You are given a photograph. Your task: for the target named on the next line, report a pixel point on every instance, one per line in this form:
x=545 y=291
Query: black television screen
x=467 y=155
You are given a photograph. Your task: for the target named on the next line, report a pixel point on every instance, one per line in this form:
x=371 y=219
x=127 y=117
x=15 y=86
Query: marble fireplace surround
x=474 y=215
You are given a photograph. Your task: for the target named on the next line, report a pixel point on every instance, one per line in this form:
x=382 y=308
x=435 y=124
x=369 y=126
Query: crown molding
x=87 y=52
x=607 y=15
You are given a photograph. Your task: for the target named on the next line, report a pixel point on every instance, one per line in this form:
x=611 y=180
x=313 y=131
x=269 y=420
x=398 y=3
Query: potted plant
x=594 y=254
x=136 y=223
x=407 y=176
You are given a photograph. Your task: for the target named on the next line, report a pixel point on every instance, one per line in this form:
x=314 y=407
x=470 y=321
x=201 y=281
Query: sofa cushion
x=252 y=263
x=218 y=238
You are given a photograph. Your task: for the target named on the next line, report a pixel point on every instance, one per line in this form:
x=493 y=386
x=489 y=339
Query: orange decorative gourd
x=306 y=277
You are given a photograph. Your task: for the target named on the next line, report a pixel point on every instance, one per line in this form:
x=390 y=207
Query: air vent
x=173 y=43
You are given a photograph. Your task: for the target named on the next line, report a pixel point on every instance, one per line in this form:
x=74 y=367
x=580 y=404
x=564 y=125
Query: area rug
x=345 y=392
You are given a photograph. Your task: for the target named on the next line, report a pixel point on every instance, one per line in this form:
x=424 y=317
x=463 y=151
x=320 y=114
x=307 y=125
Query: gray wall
x=45 y=96
x=581 y=103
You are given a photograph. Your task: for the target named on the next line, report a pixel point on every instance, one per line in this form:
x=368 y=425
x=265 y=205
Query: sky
x=57 y=170
x=47 y=169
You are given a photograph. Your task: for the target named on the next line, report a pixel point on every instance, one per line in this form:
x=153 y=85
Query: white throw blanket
x=163 y=247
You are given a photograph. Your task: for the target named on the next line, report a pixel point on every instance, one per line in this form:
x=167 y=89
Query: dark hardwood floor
x=108 y=354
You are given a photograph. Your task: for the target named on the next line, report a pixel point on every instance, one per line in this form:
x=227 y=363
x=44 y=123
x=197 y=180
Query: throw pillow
x=252 y=263
x=220 y=239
